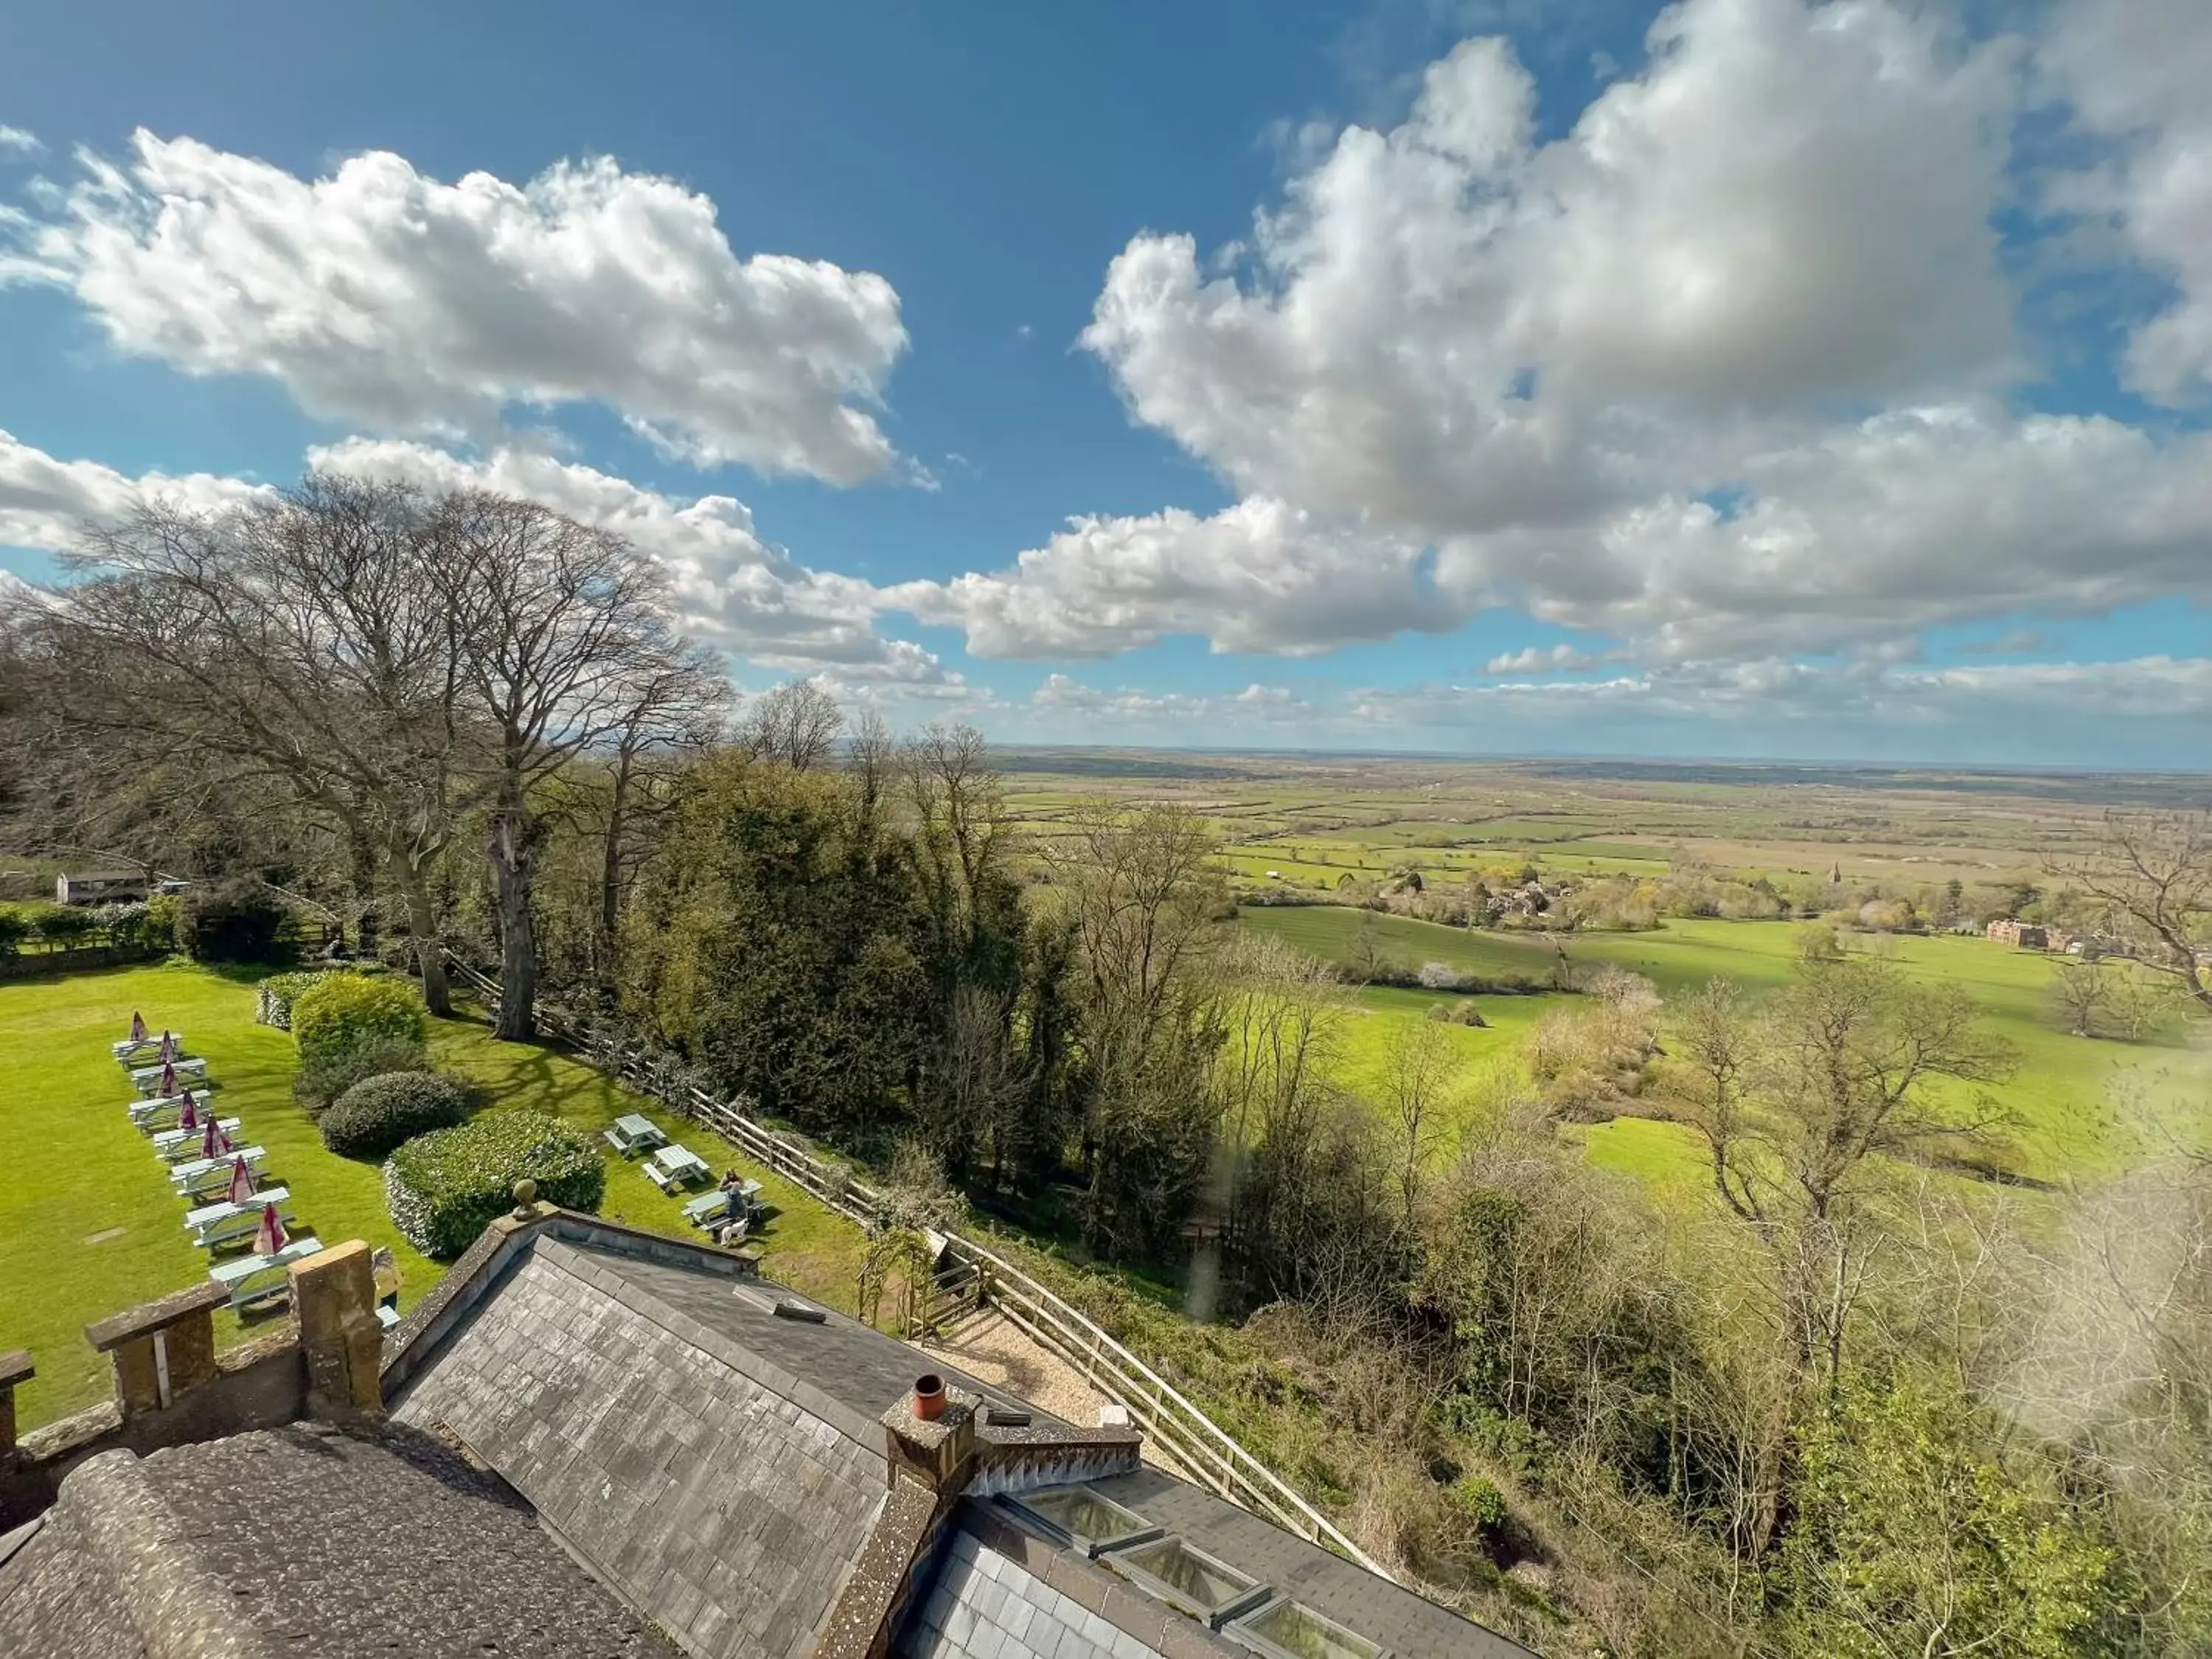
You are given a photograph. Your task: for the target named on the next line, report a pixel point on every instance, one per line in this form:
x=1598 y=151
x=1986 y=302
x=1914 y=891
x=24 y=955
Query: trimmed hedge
x=319 y=1082
x=342 y=1011
x=379 y=1113
x=274 y=995
x=445 y=1188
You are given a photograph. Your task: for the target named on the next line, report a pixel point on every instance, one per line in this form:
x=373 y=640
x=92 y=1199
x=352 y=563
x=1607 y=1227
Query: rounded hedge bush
x=319 y=1082
x=445 y=1188
x=342 y=1011
x=379 y=1113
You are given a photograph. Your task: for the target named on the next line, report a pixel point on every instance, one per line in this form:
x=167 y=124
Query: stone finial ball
x=525 y=1194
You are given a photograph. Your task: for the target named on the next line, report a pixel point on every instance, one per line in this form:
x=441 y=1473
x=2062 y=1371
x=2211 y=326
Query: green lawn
x=2062 y=1092
x=87 y=1225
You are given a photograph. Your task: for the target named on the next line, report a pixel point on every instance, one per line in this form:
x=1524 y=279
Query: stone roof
x=306 y=1540
x=725 y=1466
x=721 y=1464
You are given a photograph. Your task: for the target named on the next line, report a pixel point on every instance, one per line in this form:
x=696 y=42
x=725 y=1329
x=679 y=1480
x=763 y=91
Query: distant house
x=2021 y=935
x=100 y=887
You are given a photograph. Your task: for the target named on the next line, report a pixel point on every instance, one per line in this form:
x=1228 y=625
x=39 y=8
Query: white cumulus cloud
x=1259 y=576
x=1721 y=370
x=1539 y=660
x=379 y=296
x=44 y=502
x=2136 y=73
x=15 y=141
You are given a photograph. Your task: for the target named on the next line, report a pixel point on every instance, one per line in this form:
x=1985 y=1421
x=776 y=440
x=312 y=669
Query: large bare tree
x=562 y=632
x=292 y=649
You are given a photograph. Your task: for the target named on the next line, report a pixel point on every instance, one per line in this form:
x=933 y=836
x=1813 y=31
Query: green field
x=2062 y=1092
x=87 y=1224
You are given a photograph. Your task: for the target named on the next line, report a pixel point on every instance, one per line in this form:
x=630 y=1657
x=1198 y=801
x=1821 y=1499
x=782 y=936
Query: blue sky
x=1745 y=377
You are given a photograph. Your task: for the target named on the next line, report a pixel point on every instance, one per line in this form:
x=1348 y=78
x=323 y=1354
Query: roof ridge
x=145 y=1549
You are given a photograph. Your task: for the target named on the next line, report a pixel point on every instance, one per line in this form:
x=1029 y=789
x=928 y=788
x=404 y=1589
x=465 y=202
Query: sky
x=1729 y=379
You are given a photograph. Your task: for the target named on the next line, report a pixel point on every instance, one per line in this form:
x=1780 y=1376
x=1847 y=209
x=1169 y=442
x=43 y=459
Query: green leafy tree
x=1911 y=1540
x=776 y=937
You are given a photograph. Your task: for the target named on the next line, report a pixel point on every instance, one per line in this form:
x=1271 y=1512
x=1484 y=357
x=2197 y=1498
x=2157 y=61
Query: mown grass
x=87 y=1224
x=2062 y=1093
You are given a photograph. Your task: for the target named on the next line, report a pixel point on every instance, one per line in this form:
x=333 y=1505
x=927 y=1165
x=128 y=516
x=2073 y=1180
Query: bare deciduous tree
x=1413 y=1087
x=296 y=644
x=562 y=631
x=2082 y=993
x=2152 y=874
x=796 y=723
x=1800 y=1104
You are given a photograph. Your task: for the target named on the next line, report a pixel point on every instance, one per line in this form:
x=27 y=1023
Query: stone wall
x=173 y=1389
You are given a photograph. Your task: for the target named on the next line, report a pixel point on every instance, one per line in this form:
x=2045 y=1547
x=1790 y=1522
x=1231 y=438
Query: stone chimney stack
x=334 y=1299
x=939 y=1451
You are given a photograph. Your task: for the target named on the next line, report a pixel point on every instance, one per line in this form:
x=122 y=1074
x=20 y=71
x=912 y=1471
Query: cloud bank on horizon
x=1743 y=380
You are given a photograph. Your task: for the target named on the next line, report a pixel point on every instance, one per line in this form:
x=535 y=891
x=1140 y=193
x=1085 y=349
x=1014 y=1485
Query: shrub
x=165 y=919
x=1480 y=1501
x=276 y=993
x=274 y=996
x=445 y=1188
x=15 y=928
x=323 y=1080
x=65 y=928
x=125 y=925
x=238 y=922
x=379 y=1113
x=342 y=1011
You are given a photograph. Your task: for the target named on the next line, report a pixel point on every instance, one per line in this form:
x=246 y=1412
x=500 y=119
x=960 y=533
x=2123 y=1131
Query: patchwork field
x=2062 y=1093
x=1316 y=818
x=89 y=1226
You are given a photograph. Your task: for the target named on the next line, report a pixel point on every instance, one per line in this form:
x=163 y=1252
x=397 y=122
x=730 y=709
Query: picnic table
x=147 y=1079
x=257 y=1278
x=723 y=1202
x=674 y=1166
x=175 y=1145
x=131 y=1048
x=161 y=1111
x=205 y=1175
x=632 y=1133
x=218 y=1223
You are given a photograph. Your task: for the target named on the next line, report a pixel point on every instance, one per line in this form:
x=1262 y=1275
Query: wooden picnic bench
x=175 y=1145
x=632 y=1133
x=225 y=1223
x=675 y=1168
x=205 y=1175
x=147 y=1079
x=131 y=1048
x=161 y=1111
x=708 y=1208
x=257 y=1278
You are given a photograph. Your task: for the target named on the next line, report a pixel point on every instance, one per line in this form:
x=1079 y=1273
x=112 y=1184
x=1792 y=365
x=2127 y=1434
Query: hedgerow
x=445 y=1188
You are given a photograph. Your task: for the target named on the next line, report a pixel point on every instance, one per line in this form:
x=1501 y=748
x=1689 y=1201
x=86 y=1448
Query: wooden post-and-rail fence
x=970 y=1275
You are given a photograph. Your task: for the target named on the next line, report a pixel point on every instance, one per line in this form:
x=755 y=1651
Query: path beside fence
x=1185 y=1435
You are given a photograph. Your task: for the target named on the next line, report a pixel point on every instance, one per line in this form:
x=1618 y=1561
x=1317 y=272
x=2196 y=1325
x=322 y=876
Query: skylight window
x=1081 y=1518
x=1285 y=1630
x=1187 y=1579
